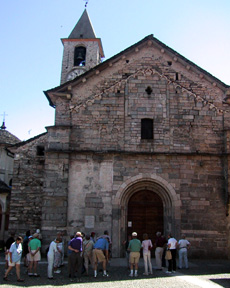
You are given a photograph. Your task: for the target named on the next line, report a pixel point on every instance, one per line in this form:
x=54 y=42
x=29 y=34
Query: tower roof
x=7 y=138
x=83 y=29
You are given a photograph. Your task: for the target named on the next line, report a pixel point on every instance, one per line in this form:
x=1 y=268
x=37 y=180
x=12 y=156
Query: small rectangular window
x=146 y=128
x=40 y=151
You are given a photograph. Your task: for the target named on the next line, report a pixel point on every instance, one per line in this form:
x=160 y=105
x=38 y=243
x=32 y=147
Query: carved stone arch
x=155 y=184
x=120 y=195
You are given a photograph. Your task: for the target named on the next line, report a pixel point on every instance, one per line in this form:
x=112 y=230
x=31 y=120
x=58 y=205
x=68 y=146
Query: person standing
x=68 y=255
x=39 y=234
x=87 y=252
x=50 y=258
x=134 y=248
x=58 y=255
x=92 y=237
x=101 y=254
x=172 y=245
x=183 y=246
x=63 y=247
x=147 y=246
x=127 y=252
x=75 y=258
x=35 y=254
x=160 y=244
x=14 y=258
x=25 y=249
x=8 y=243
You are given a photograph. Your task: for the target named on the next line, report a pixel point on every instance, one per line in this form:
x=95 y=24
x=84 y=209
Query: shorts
x=134 y=257
x=98 y=255
x=12 y=264
x=36 y=257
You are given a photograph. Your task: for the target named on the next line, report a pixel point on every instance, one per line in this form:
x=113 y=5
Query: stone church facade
x=140 y=143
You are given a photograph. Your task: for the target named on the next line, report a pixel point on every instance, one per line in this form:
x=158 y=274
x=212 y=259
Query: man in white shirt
x=183 y=246
x=172 y=244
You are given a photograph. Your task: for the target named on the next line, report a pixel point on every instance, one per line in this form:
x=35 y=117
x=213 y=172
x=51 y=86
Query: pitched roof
x=83 y=28
x=22 y=143
x=104 y=64
x=7 y=138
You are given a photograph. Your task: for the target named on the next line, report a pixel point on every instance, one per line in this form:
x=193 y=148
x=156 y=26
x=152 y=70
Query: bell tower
x=82 y=50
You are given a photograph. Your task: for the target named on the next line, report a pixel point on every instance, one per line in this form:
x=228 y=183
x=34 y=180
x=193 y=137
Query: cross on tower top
x=3 y=127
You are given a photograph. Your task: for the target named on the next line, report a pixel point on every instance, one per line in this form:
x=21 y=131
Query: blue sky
x=31 y=50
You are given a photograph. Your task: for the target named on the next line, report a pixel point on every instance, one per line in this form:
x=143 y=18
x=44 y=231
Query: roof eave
x=116 y=57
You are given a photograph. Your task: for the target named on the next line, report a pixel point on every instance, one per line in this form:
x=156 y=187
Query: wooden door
x=145 y=213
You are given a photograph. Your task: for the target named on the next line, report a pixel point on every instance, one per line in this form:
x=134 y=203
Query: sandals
x=5 y=278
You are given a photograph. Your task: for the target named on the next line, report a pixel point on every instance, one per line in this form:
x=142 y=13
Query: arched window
x=79 y=56
x=146 y=128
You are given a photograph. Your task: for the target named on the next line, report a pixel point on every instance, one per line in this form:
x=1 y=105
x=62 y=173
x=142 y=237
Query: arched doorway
x=155 y=185
x=145 y=214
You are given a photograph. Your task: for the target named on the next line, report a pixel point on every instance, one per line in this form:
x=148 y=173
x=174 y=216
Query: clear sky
x=31 y=50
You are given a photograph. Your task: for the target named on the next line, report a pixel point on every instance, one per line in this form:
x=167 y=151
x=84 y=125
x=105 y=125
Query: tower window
x=146 y=128
x=79 y=56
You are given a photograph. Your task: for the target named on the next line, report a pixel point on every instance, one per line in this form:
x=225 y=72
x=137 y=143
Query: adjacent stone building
x=140 y=143
x=6 y=174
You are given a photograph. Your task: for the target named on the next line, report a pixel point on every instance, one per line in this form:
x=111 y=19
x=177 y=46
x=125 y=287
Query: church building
x=141 y=143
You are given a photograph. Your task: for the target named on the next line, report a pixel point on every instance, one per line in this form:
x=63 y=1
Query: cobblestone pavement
x=206 y=273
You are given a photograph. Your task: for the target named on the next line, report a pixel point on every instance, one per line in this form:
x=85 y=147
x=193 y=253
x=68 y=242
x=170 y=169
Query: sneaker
x=57 y=271
x=173 y=271
x=136 y=275
x=168 y=272
x=106 y=275
x=145 y=274
x=50 y=278
x=20 y=280
x=130 y=275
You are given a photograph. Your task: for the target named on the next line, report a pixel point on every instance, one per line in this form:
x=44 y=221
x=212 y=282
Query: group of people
x=82 y=251
x=85 y=250
x=29 y=248
x=164 y=250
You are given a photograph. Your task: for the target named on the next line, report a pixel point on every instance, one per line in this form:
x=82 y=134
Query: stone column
x=56 y=175
x=226 y=171
x=3 y=204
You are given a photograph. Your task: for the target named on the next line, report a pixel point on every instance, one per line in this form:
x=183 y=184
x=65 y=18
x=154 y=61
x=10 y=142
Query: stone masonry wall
x=183 y=121
x=92 y=56
x=27 y=189
x=56 y=175
x=94 y=149
x=197 y=179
